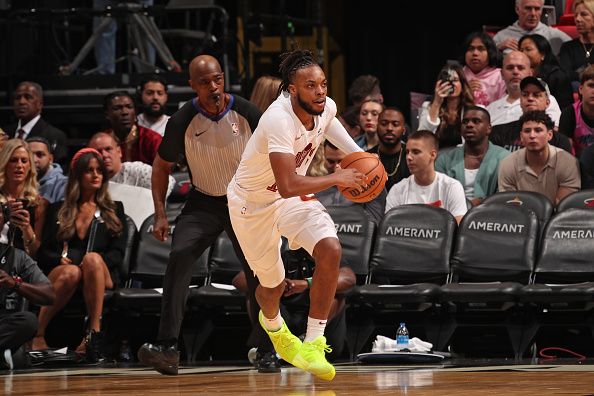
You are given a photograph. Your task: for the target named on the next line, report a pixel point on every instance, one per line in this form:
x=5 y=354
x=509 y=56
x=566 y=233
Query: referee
x=212 y=131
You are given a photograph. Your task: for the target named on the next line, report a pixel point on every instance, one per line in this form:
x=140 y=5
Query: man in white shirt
x=529 y=14
x=153 y=97
x=270 y=197
x=516 y=66
x=425 y=185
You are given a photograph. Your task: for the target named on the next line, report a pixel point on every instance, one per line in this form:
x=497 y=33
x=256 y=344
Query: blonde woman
x=265 y=91
x=19 y=198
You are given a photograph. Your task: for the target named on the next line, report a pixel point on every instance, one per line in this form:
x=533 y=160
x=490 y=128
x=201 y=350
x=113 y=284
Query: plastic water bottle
x=402 y=336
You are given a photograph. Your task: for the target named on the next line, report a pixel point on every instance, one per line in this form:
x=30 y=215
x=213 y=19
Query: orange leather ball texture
x=371 y=166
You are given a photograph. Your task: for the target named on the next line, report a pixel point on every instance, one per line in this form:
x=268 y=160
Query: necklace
x=587 y=51
x=397 y=164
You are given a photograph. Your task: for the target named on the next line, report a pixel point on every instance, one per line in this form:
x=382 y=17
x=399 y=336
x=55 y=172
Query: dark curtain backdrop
x=406 y=48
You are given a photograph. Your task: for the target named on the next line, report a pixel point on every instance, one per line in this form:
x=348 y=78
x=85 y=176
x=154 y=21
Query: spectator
x=153 y=97
x=539 y=166
x=535 y=96
x=391 y=149
x=481 y=60
x=83 y=246
x=19 y=278
x=368 y=115
x=476 y=164
x=333 y=197
x=27 y=105
x=546 y=66
x=576 y=55
x=18 y=190
x=349 y=119
x=425 y=185
x=50 y=177
x=577 y=120
x=105 y=48
x=137 y=142
x=265 y=91
x=516 y=66
x=365 y=87
x=135 y=173
x=442 y=115
x=529 y=14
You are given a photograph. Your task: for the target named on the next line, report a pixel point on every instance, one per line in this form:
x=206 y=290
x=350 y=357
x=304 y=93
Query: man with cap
x=534 y=96
x=516 y=66
x=50 y=176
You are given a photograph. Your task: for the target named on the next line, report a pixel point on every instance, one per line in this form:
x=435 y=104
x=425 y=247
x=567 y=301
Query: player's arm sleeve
x=339 y=137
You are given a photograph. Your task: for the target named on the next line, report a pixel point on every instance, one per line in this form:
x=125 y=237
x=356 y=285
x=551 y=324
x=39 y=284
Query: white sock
x=315 y=328
x=273 y=324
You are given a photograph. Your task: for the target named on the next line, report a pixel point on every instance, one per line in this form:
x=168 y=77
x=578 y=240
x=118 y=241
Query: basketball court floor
x=477 y=377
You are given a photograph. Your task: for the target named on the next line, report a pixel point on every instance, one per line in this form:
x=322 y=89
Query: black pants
x=201 y=221
x=16 y=329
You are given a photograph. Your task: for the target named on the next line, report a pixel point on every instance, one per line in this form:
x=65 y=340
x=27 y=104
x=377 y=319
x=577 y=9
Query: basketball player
x=267 y=199
x=211 y=130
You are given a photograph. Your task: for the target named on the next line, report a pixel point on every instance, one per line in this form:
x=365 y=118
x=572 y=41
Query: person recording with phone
x=443 y=114
x=22 y=206
x=83 y=246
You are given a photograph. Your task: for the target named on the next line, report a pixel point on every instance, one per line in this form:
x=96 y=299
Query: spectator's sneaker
x=6 y=360
x=284 y=342
x=312 y=358
x=267 y=362
x=163 y=358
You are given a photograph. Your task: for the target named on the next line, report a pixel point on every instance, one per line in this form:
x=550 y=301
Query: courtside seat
x=493 y=259
x=531 y=200
x=217 y=306
x=409 y=261
x=579 y=199
x=149 y=270
x=563 y=291
x=355 y=231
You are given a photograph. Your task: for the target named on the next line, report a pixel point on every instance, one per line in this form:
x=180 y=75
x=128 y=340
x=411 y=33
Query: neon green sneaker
x=312 y=358
x=285 y=343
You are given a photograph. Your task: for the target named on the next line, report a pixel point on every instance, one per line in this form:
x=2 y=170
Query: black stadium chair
x=136 y=309
x=539 y=203
x=410 y=260
x=355 y=231
x=215 y=306
x=563 y=289
x=493 y=258
x=579 y=199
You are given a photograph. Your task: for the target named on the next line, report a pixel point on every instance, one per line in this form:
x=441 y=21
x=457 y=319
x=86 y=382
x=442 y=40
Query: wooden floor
x=351 y=379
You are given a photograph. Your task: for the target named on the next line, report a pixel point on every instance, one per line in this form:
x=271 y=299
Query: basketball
x=371 y=166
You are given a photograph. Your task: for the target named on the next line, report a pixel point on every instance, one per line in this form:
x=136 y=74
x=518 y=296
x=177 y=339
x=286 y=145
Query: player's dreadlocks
x=290 y=63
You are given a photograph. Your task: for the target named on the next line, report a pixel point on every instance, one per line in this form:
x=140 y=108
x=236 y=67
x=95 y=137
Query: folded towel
x=385 y=344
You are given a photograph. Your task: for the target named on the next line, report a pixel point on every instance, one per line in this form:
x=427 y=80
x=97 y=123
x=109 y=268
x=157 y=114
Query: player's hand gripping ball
x=371 y=166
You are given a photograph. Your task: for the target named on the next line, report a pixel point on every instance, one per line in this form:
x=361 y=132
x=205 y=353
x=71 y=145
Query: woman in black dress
x=84 y=240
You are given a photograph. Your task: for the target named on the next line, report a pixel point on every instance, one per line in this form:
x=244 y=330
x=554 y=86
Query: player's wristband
x=17 y=283
x=309 y=281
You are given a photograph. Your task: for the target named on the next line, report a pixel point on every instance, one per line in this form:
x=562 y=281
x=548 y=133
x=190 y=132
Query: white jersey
x=279 y=131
